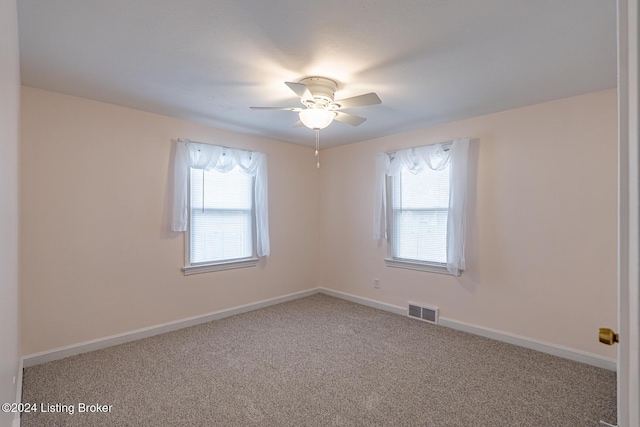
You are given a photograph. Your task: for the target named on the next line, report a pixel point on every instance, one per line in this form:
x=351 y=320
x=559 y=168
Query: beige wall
x=541 y=239
x=97 y=257
x=9 y=125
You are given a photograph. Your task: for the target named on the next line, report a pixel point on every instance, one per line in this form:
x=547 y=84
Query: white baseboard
x=365 y=301
x=100 y=343
x=530 y=343
x=533 y=344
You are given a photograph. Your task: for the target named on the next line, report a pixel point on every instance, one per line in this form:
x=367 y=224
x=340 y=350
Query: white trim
x=100 y=343
x=531 y=343
x=365 y=301
x=97 y=344
x=16 y=418
x=417 y=265
x=624 y=178
x=628 y=213
x=219 y=266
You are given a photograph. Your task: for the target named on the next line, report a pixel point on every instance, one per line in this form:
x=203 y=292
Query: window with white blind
x=221 y=217
x=420 y=204
x=418 y=211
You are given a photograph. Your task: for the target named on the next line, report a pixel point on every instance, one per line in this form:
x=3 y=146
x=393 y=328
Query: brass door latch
x=607 y=336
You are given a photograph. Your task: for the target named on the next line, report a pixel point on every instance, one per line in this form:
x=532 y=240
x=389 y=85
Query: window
x=220 y=201
x=221 y=225
x=419 y=206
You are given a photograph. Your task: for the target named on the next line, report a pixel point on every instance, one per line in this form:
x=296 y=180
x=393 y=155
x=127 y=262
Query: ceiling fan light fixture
x=316 y=118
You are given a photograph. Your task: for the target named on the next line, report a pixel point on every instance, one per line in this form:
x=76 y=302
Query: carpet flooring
x=318 y=361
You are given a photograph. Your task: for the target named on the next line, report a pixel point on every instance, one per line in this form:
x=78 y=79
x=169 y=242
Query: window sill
x=219 y=266
x=417 y=265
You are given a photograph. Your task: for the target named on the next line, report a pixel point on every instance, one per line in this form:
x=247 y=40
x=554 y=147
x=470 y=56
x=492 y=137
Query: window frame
x=410 y=264
x=227 y=264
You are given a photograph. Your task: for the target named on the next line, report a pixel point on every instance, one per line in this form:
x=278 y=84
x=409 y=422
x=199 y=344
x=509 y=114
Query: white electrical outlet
x=376 y=283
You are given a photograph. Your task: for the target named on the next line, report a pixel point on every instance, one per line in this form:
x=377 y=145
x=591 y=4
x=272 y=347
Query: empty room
x=319 y=213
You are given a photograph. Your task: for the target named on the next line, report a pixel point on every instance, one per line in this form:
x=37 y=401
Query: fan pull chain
x=202 y=190
x=317 y=148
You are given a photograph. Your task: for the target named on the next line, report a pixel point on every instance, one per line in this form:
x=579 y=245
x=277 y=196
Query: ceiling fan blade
x=277 y=108
x=358 y=101
x=349 y=118
x=298 y=124
x=301 y=90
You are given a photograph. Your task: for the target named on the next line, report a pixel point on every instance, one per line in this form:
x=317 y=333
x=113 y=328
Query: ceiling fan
x=320 y=108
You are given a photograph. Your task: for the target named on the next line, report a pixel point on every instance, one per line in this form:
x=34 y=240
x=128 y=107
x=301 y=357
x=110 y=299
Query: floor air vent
x=422 y=312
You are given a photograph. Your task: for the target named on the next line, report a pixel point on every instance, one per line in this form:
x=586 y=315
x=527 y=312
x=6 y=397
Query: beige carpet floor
x=320 y=361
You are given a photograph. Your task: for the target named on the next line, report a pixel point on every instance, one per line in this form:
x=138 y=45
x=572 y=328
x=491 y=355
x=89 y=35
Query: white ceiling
x=430 y=61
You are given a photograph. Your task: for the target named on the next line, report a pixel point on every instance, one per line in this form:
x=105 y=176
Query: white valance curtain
x=205 y=156
x=436 y=157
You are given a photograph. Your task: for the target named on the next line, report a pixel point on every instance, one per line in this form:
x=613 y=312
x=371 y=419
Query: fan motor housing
x=322 y=89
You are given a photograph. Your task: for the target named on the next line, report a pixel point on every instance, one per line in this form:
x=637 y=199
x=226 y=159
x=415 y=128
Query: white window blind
x=420 y=202
x=221 y=216
x=419 y=210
